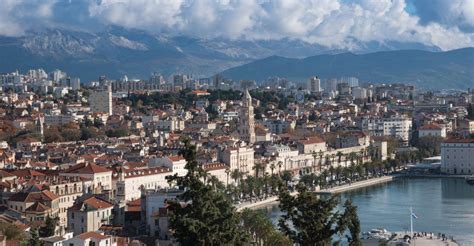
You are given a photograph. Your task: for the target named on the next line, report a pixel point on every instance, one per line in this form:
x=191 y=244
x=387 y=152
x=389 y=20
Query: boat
x=470 y=180
x=378 y=233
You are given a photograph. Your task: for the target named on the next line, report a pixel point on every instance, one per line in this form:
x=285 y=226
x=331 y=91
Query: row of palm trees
x=263 y=184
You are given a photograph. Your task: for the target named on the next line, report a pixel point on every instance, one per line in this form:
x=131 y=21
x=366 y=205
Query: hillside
x=451 y=69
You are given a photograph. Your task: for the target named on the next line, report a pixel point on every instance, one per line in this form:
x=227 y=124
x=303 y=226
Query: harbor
x=443 y=205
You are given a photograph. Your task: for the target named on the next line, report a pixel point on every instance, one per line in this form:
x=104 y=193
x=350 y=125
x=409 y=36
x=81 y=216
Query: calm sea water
x=443 y=205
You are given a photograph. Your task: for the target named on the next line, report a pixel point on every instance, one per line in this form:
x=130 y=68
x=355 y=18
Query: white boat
x=378 y=233
x=470 y=180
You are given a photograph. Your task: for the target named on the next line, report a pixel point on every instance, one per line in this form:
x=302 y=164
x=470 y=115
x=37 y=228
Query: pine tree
x=353 y=224
x=308 y=220
x=34 y=239
x=49 y=228
x=207 y=216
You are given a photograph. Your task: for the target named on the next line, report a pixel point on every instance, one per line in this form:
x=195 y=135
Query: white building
x=432 y=130
x=175 y=163
x=311 y=145
x=100 y=100
x=89 y=214
x=241 y=158
x=170 y=125
x=399 y=127
x=91 y=238
x=457 y=156
x=130 y=182
x=314 y=84
x=61 y=119
x=359 y=93
x=101 y=177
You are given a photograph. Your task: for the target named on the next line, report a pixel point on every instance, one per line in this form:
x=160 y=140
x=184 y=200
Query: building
x=457 y=156
x=399 y=127
x=314 y=84
x=432 y=130
x=351 y=81
x=240 y=158
x=130 y=182
x=88 y=214
x=91 y=238
x=35 y=206
x=101 y=177
x=100 y=100
x=246 y=120
x=311 y=145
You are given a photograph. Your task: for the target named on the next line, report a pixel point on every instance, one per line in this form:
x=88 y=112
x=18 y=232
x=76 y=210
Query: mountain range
x=425 y=69
x=117 y=51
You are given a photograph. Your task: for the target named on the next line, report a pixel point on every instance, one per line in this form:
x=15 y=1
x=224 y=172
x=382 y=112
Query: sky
x=447 y=24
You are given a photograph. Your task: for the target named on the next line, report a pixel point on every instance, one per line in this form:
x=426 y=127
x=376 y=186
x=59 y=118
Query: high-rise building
x=351 y=81
x=331 y=85
x=100 y=100
x=246 y=119
x=314 y=84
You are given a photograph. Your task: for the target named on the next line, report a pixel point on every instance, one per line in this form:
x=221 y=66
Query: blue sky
x=447 y=24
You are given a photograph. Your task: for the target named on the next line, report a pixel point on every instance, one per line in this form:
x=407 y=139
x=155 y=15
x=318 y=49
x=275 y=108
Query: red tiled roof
x=92 y=234
x=38 y=207
x=86 y=168
x=431 y=127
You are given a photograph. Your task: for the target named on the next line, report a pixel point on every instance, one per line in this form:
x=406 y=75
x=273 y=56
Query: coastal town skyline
x=236 y=122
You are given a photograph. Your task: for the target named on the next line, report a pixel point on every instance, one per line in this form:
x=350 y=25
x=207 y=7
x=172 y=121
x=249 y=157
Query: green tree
x=12 y=232
x=262 y=230
x=207 y=217
x=308 y=220
x=34 y=239
x=353 y=224
x=49 y=228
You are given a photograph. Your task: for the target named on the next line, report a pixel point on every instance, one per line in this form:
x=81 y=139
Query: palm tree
x=314 y=160
x=339 y=155
x=236 y=174
x=320 y=160
x=279 y=167
x=227 y=172
x=257 y=167
x=272 y=167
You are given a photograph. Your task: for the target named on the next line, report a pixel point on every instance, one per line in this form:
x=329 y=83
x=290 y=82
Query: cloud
x=459 y=13
x=447 y=24
x=16 y=16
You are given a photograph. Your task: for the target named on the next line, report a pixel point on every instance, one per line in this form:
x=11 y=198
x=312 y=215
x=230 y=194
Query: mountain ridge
x=424 y=68
x=117 y=51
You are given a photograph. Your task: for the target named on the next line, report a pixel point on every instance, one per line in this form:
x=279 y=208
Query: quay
x=427 y=239
x=331 y=191
x=355 y=185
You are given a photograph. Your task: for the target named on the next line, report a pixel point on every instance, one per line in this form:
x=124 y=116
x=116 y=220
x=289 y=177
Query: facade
x=100 y=100
x=240 y=158
x=91 y=238
x=246 y=120
x=174 y=163
x=311 y=145
x=61 y=119
x=399 y=127
x=457 y=156
x=432 y=130
x=101 y=177
x=314 y=84
x=88 y=214
x=130 y=182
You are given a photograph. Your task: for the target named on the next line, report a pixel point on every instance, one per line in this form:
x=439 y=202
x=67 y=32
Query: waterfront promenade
x=334 y=190
x=355 y=185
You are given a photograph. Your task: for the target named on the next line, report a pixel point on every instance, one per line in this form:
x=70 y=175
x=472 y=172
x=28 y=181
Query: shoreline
x=348 y=187
x=334 y=190
x=355 y=185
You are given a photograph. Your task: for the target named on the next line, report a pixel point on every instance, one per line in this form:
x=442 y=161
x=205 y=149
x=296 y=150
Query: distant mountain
x=117 y=51
x=451 y=69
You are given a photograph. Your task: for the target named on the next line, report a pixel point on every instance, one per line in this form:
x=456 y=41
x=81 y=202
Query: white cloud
x=18 y=15
x=333 y=23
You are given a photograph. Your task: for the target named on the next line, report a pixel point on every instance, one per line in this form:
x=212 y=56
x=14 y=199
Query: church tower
x=246 y=120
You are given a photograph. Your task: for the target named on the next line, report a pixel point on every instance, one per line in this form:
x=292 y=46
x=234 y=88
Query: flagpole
x=411 y=221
